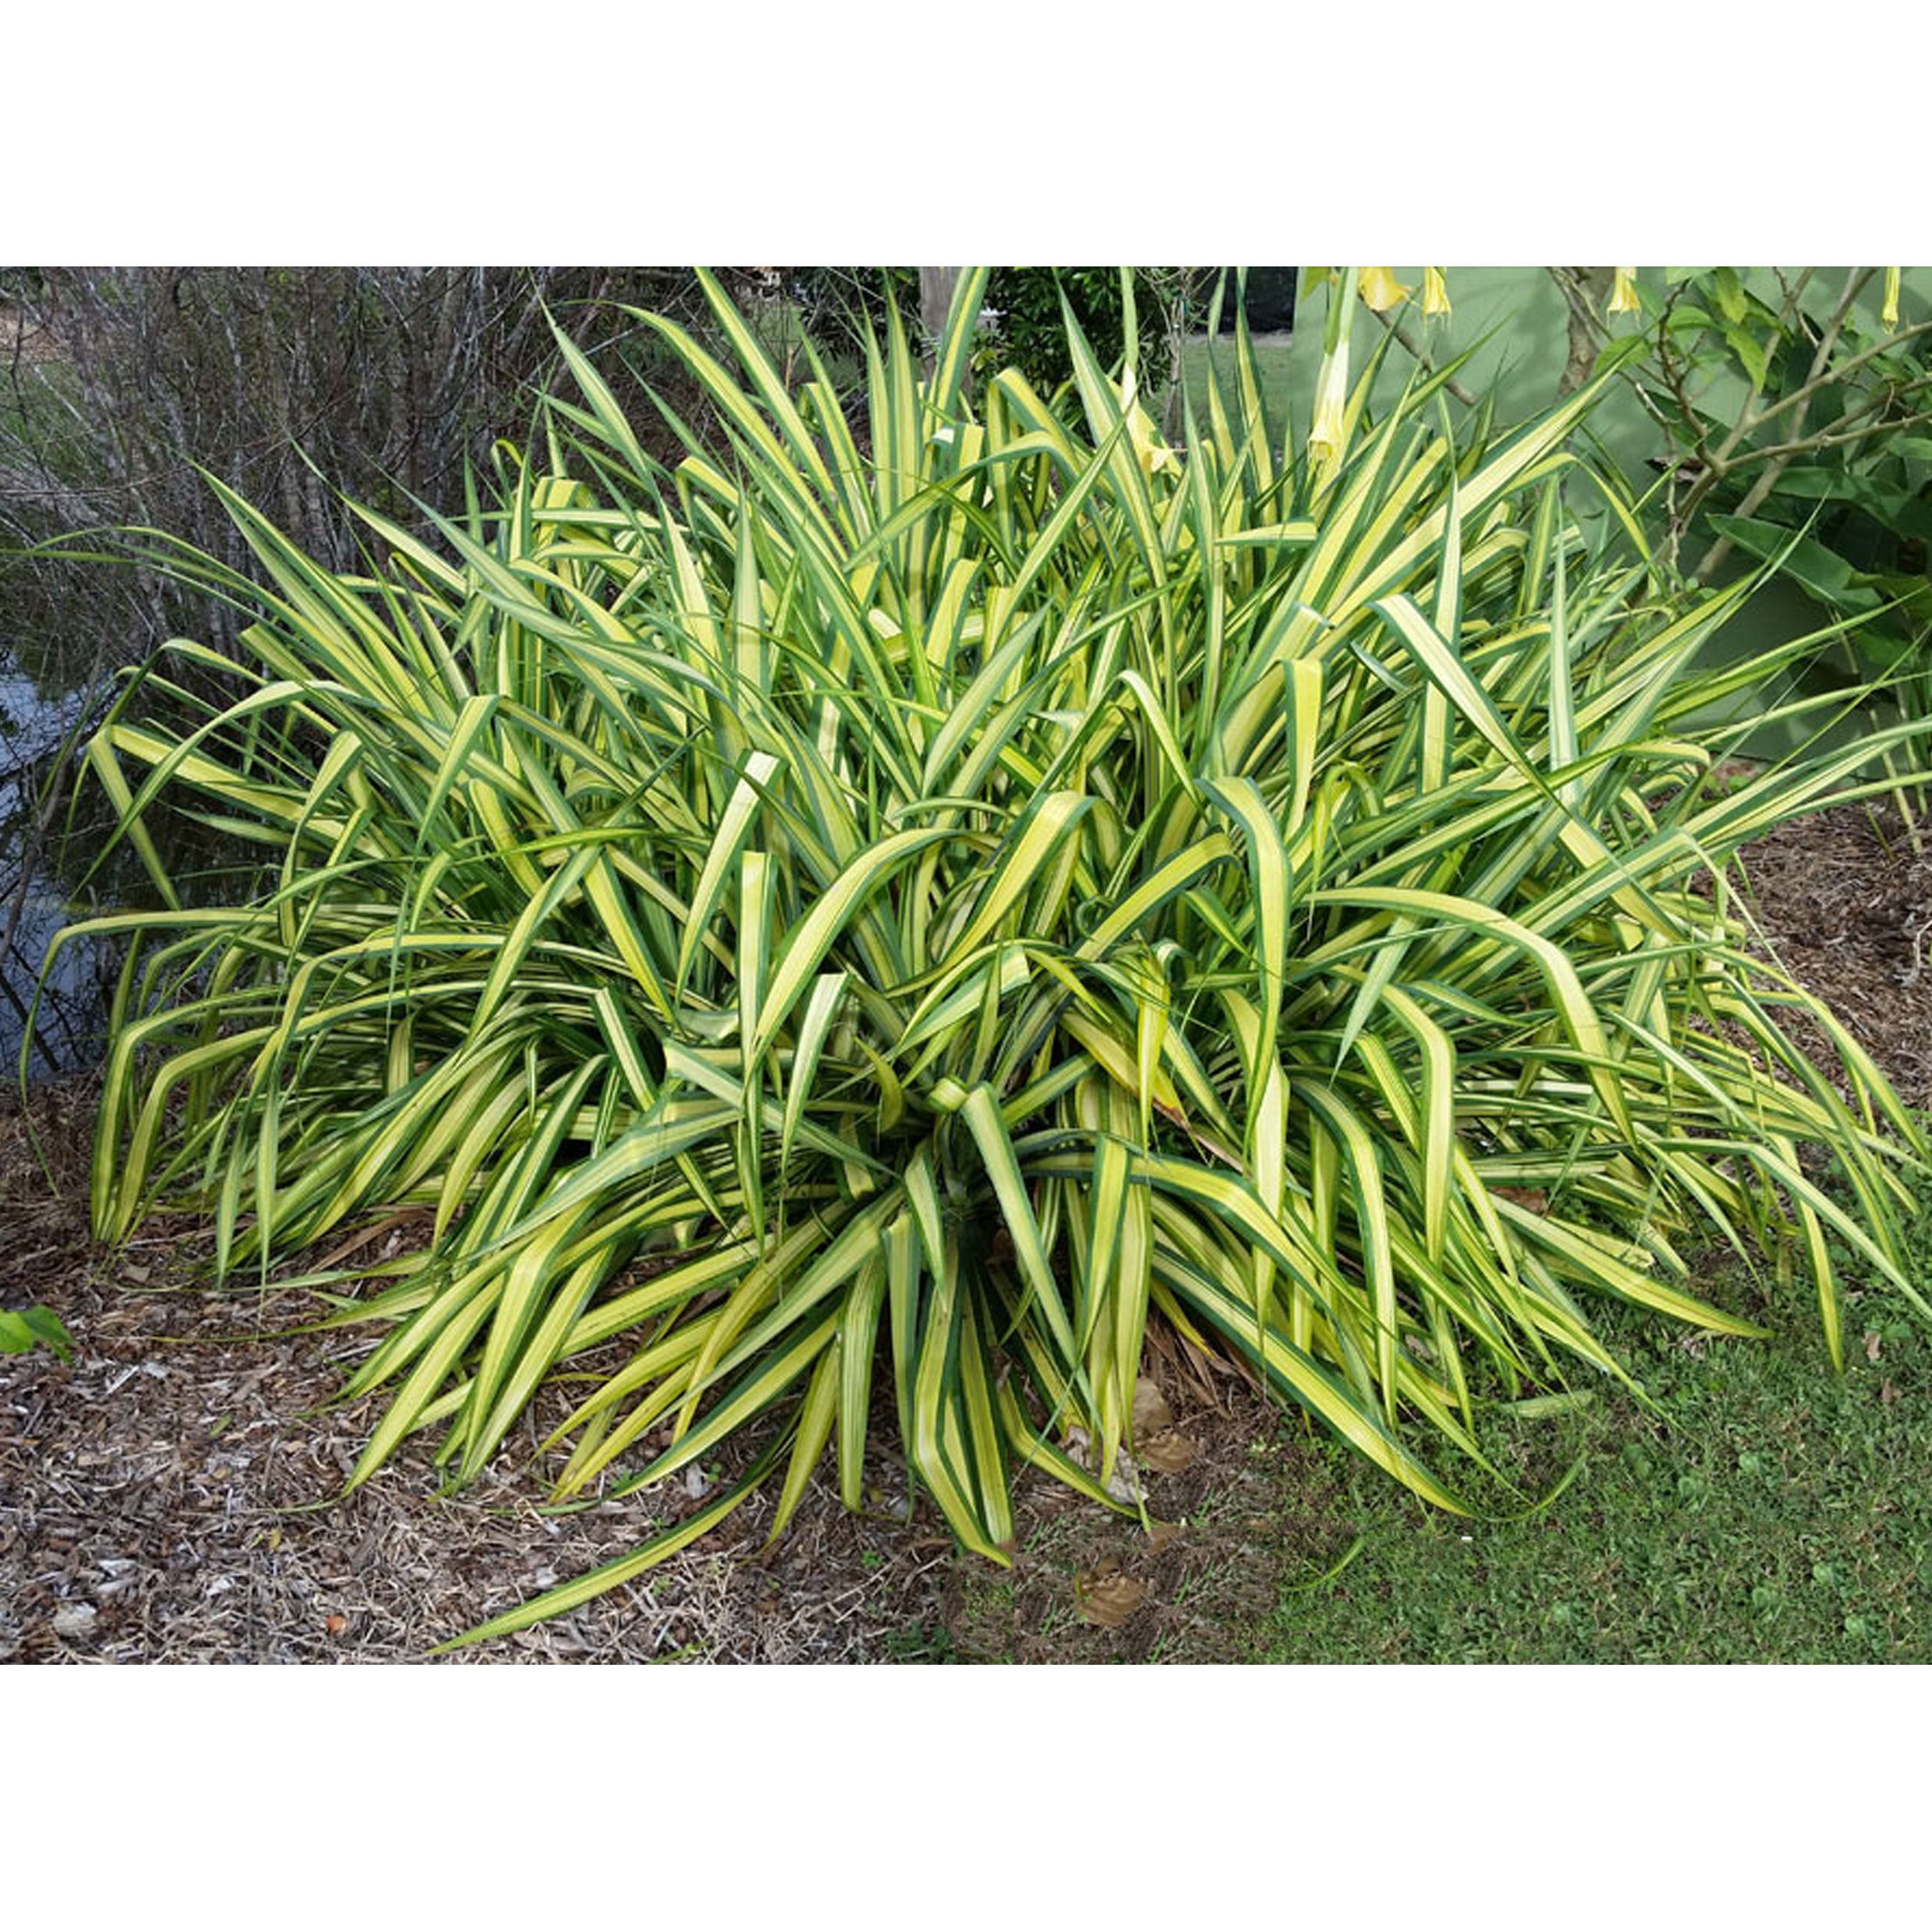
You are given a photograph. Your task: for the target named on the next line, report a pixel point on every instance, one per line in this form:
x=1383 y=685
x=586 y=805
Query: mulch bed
x=1844 y=903
x=173 y=1495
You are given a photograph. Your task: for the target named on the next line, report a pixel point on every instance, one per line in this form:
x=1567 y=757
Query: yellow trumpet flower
x=1623 y=293
x=1153 y=455
x=1332 y=401
x=1889 y=314
x=1379 y=289
x=1435 y=293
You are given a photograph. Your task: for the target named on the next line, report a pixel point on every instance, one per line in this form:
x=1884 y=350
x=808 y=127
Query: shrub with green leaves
x=867 y=932
x=1795 y=402
x=1028 y=327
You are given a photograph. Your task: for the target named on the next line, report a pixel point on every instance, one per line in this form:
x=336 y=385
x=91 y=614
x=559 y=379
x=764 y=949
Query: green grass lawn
x=1781 y=1515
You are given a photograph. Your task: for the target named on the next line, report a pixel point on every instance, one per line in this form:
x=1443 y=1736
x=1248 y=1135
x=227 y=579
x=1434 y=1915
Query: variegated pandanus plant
x=935 y=897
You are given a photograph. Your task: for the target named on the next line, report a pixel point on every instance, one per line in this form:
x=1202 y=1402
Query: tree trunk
x=936 y=303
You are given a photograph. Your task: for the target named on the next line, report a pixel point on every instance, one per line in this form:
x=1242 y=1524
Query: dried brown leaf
x=1533 y=1198
x=1150 y=1412
x=1168 y=1452
x=1108 y=1595
x=402 y=1217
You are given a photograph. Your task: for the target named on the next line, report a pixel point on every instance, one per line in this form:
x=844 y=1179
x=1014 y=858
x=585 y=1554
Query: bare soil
x=173 y=1495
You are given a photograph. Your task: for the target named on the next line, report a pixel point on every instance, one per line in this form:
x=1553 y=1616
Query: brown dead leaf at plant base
x=1158 y=1444
x=1108 y=1595
x=1151 y=1410
x=1169 y=1452
x=1532 y=1198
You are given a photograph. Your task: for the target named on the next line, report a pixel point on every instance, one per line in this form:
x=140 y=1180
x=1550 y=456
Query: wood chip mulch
x=173 y=1495
x=1844 y=903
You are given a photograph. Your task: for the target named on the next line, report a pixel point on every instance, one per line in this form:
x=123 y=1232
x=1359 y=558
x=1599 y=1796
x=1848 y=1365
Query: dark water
x=34 y=905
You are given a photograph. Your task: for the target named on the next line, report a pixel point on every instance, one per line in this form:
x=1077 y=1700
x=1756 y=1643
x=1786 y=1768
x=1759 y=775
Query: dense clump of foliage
x=809 y=913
